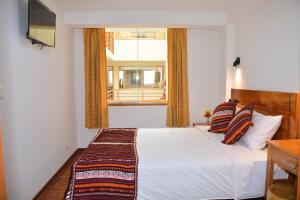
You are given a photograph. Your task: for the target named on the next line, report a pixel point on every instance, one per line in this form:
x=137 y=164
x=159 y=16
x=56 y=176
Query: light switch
x=1 y=91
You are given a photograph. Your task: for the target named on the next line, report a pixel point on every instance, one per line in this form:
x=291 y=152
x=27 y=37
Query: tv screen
x=41 y=24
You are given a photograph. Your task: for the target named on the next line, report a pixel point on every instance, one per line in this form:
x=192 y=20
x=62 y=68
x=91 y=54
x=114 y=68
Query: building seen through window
x=136 y=65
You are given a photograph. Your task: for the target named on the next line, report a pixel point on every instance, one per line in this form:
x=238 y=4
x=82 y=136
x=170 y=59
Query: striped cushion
x=239 y=125
x=222 y=116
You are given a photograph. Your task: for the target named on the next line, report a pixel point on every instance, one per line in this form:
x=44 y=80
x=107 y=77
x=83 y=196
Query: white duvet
x=193 y=164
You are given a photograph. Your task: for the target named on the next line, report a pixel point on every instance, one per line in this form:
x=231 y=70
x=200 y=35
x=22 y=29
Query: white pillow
x=264 y=129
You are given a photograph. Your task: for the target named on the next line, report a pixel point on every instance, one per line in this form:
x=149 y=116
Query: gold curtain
x=178 y=100
x=96 y=110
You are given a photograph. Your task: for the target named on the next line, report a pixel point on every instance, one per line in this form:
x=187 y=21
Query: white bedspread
x=193 y=164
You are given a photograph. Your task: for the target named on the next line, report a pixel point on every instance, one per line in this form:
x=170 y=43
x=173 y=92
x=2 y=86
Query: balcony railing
x=136 y=95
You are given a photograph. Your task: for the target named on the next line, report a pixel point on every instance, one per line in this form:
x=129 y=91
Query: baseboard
x=52 y=179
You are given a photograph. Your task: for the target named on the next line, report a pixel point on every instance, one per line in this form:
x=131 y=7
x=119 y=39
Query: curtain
x=96 y=110
x=178 y=100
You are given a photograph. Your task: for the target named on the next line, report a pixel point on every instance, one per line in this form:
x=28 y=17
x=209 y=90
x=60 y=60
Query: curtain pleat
x=178 y=100
x=96 y=109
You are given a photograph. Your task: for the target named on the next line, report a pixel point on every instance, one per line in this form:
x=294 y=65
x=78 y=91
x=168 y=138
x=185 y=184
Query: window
x=136 y=65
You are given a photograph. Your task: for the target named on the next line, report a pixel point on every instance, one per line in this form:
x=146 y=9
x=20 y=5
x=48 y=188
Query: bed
x=192 y=163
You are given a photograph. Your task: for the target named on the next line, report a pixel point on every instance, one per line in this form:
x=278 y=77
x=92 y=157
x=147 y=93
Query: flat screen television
x=41 y=24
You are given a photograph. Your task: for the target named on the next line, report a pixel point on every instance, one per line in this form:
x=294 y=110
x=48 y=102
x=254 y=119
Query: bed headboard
x=274 y=103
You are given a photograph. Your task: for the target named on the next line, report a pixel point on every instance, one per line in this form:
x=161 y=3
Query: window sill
x=138 y=104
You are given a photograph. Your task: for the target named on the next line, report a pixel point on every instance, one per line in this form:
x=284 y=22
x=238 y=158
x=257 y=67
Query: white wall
x=204 y=72
x=36 y=113
x=204 y=87
x=80 y=19
x=227 y=53
x=268 y=42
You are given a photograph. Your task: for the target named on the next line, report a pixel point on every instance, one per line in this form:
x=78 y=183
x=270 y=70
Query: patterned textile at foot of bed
x=107 y=169
x=115 y=135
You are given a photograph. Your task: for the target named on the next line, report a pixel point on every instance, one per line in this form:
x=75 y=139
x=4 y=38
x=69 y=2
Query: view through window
x=136 y=65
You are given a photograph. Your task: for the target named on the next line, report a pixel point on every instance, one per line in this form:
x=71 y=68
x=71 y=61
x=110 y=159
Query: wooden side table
x=286 y=154
x=201 y=124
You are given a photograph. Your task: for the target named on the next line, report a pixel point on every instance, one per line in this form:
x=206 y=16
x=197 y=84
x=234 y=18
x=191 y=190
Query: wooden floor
x=56 y=188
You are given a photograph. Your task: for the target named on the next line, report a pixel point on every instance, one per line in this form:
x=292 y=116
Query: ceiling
x=158 y=5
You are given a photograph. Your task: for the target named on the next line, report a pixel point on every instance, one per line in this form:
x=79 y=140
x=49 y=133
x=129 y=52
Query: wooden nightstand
x=286 y=154
x=201 y=124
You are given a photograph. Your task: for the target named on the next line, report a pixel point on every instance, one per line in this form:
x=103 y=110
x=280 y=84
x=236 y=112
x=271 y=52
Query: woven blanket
x=107 y=169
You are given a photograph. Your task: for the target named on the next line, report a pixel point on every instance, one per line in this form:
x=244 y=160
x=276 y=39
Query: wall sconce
x=237 y=62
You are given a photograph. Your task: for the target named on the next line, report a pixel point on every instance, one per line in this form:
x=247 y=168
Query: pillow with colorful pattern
x=222 y=115
x=239 y=125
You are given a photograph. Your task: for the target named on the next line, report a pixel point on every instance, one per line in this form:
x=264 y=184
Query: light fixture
x=237 y=62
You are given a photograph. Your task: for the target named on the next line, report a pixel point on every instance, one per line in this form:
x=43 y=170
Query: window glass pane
x=137 y=69
x=109 y=77
x=149 y=78
x=121 y=79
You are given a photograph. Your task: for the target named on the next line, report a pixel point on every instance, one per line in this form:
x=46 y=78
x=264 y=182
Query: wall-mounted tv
x=41 y=24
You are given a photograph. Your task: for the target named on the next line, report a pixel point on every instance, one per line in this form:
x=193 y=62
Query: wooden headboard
x=274 y=103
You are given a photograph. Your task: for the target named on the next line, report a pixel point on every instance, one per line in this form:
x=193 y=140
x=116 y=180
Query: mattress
x=193 y=164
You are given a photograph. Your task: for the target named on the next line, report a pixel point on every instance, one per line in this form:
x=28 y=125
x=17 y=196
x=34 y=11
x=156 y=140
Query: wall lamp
x=237 y=62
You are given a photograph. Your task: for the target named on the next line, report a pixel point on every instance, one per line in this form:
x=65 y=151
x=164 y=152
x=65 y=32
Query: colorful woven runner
x=107 y=169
